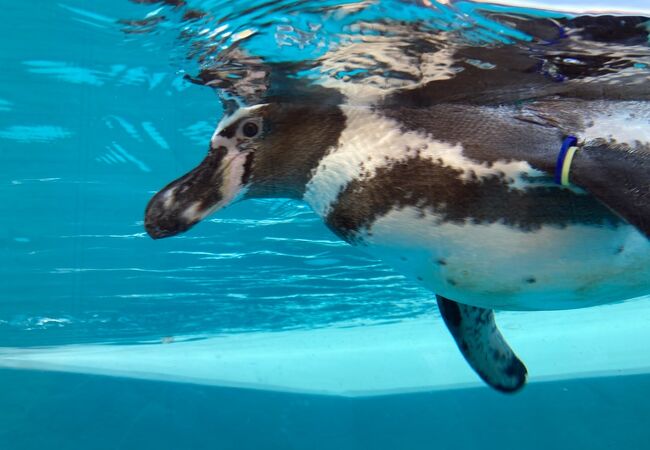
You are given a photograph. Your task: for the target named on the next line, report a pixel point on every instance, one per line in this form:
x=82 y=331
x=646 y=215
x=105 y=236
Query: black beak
x=184 y=202
x=161 y=222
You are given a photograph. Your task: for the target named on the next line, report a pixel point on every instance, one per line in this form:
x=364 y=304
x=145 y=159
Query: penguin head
x=265 y=150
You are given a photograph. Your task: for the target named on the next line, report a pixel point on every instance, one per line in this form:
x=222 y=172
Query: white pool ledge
x=414 y=355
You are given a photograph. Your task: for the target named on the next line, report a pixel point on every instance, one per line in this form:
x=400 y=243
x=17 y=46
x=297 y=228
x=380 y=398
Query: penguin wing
x=618 y=176
x=615 y=172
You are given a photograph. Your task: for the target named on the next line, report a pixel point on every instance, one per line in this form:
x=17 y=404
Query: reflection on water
x=368 y=50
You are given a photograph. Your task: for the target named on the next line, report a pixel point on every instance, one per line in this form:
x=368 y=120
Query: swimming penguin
x=510 y=195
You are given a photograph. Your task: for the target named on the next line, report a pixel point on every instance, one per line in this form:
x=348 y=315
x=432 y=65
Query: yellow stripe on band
x=566 y=166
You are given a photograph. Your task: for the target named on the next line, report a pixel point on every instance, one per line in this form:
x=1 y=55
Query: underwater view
x=325 y=224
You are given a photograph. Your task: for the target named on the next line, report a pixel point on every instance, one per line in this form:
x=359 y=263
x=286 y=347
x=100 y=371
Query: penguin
x=527 y=192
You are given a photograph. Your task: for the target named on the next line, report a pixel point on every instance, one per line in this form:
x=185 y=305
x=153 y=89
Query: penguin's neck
x=300 y=138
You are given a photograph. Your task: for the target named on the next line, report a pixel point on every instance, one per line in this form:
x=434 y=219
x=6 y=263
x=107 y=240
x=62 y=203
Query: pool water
x=259 y=328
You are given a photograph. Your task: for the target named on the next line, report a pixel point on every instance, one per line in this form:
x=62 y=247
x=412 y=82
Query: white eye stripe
x=241 y=115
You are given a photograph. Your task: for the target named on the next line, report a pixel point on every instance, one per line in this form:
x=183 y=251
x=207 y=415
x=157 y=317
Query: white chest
x=500 y=267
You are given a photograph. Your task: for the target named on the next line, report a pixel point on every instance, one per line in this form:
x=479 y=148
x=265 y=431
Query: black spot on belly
x=441 y=262
x=619 y=250
x=452 y=281
x=403 y=258
x=429 y=186
x=531 y=280
x=419 y=278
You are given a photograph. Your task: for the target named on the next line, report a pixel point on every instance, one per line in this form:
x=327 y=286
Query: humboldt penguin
x=495 y=189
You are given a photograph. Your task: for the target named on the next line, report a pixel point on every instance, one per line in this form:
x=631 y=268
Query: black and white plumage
x=451 y=184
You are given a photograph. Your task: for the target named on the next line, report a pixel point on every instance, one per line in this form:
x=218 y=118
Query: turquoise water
x=258 y=328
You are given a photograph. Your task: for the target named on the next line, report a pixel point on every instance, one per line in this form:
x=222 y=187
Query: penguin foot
x=483 y=346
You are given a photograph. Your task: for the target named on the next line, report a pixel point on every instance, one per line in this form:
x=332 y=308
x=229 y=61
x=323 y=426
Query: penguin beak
x=212 y=185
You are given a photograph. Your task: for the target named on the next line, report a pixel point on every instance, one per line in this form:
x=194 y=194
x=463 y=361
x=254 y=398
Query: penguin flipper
x=618 y=175
x=482 y=345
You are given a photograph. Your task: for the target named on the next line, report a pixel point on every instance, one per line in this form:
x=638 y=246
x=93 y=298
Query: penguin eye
x=250 y=129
